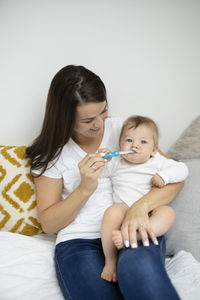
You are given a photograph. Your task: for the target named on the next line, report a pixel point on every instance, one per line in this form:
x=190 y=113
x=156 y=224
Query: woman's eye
x=105 y=111
x=143 y=142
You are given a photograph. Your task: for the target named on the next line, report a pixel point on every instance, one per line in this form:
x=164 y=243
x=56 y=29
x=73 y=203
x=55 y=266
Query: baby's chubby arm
x=157 y=181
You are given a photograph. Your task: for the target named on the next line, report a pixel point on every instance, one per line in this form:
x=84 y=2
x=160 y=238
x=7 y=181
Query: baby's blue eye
x=143 y=142
x=129 y=140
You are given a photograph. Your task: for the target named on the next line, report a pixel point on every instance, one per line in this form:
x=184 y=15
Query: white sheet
x=184 y=272
x=27 y=269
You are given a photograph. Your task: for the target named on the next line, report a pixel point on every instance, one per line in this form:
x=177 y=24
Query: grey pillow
x=188 y=145
x=185 y=233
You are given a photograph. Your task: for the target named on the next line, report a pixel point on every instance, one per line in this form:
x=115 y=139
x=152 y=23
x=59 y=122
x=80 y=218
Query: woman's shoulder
x=57 y=166
x=112 y=132
x=114 y=120
x=114 y=123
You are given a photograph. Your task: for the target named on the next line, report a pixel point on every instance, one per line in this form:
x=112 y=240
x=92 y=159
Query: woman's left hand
x=137 y=221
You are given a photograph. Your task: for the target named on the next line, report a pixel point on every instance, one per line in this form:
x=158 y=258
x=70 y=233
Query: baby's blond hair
x=136 y=120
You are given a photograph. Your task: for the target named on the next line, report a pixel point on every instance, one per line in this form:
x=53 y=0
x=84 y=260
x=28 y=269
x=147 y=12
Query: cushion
x=185 y=232
x=17 y=192
x=188 y=145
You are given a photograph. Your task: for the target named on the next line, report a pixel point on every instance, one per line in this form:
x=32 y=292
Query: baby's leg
x=112 y=220
x=161 y=219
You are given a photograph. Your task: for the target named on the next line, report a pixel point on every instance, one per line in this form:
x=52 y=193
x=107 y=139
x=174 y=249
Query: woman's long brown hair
x=71 y=86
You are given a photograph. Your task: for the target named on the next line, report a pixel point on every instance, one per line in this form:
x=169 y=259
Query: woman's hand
x=104 y=151
x=138 y=213
x=90 y=168
x=137 y=222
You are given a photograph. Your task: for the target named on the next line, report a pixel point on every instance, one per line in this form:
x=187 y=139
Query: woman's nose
x=98 y=122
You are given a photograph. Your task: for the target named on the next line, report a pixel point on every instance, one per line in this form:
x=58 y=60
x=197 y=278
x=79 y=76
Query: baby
x=133 y=175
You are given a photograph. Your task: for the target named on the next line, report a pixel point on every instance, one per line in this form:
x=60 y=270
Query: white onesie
x=132 y=181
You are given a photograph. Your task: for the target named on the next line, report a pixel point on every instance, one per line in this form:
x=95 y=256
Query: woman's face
x=89 y=119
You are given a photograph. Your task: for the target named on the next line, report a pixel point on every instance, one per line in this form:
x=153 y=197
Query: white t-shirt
x=87 y=223
x=132 y=181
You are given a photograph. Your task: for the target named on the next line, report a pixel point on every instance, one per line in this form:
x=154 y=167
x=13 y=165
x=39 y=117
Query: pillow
x=17 y=192
x=188 y=145
x=185 y=232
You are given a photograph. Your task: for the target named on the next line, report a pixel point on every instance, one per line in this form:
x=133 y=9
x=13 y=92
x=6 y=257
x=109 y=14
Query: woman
x=72 y=196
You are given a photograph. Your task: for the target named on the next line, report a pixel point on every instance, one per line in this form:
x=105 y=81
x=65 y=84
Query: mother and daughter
x=76 y=188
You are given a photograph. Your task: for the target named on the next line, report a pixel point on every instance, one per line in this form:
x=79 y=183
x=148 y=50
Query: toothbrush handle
x=111 y=154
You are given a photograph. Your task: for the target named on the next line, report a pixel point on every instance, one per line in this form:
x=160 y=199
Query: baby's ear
x=155 y=149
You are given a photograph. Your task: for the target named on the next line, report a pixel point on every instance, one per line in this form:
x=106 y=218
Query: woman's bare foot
x=117 y=239
x=109 y=272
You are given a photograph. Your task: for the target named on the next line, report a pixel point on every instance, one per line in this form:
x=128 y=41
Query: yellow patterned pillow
x=17 y=192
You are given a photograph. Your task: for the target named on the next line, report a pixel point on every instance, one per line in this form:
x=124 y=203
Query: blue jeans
x=141 y=272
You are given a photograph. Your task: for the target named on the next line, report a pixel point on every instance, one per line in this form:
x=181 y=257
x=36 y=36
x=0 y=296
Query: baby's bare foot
x=109 y=272
x=117 y=239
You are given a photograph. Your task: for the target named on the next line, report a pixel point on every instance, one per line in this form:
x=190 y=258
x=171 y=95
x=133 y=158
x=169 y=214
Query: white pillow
x=185 y=233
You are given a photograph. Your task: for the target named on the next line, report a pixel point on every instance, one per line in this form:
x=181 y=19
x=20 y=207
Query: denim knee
x=141 y=272
x=79 y=264
x=140 y=261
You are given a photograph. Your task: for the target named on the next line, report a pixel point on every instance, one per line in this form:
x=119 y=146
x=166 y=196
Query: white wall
x=146 y=52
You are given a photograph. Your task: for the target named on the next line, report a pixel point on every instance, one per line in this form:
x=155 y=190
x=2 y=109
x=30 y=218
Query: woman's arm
x=137 y=214
x=54 y=213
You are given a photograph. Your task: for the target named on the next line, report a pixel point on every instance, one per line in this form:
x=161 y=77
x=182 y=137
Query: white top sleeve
x=54 y=170
x=173 y=171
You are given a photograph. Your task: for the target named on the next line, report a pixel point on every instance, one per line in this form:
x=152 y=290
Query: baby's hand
x=157 y=181
x=104 y=151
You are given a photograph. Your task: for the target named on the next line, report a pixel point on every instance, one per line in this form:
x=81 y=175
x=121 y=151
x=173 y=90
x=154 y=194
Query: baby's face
x=141 y=141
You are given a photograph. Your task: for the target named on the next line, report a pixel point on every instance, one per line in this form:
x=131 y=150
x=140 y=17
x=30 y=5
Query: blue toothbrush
x=117 y=153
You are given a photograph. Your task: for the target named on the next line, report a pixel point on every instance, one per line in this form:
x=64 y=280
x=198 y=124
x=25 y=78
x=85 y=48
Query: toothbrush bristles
x=126 y=152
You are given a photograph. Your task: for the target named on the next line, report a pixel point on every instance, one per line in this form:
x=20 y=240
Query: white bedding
x=184 y=272
x=27 y=269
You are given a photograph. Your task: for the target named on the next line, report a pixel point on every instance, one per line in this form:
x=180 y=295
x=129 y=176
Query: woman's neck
x=88 y=144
